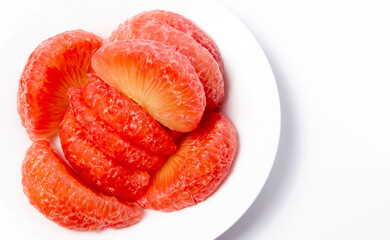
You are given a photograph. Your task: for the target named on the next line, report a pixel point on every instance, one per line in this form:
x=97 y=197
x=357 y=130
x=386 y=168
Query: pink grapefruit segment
x=107 y=139
x=127 y=118
x=182 y=24
x=205 y=65
x=95 y=168
x=60 y=195
x=197 y=169
x=157 y=77
x=57 y=63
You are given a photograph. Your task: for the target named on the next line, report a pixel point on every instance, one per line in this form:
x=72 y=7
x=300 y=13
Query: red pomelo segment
x=95 y=168
x=108 y=140
x=58 y=193
x=205 y=65
x=176 y=136
x=156 y=77
x=55 y=65
x=197 y=168
x=127 y=117
x=182 y=24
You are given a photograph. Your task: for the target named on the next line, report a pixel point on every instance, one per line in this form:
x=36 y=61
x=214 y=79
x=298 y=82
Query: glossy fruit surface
x=137 y=122
x=59 y=194
x=205 y=65
x=182 y=24
x=126 y=117
x=197 y=169
x=97 y=169
x=107 y=139
x=58 y=63
x=157 y=77
x=176 y=136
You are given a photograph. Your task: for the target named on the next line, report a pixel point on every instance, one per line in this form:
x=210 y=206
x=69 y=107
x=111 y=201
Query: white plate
x=251 y=103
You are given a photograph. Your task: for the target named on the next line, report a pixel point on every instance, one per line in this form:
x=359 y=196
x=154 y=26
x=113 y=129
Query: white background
x=331 y=61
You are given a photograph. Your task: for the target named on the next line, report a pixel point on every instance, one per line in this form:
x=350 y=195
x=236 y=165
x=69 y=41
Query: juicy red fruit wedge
x=57 y=63
x=126 y=117
x=197 y=169
x=157 y=77
x=107 y=139
x=204 y=64
x=97 y=169
x=61 y=196
x=184 y=25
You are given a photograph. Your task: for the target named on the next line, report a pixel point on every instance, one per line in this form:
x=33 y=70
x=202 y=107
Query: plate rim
x=277 y=134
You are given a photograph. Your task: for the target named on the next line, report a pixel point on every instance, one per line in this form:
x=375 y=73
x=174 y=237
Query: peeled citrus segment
x=95 y=168
x=107 y=139
x=58 y=193
x=205 y=65
x=198 y=167
x=176 y=136
x=182 y=24
x=156 y=77
x=57 y=63
x=127 y=118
